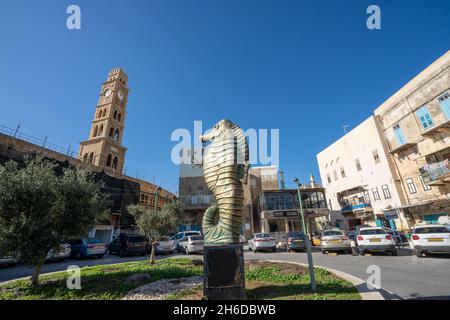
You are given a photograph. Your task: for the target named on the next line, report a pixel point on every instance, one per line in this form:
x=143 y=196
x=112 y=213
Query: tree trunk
x=152 y=254
x=37 y=270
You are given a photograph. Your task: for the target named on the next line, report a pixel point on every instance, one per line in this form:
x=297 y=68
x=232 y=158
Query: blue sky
x=304 y=67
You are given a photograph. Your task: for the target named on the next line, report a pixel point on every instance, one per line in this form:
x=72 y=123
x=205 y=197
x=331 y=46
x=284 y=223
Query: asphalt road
x=403 y=277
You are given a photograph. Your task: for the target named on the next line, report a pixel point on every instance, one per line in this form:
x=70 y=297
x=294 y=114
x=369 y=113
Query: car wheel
x=394 y=253
x=121 y=253
x=78 y=255
x=323 y=251
x=419 y=254
x=274 y=249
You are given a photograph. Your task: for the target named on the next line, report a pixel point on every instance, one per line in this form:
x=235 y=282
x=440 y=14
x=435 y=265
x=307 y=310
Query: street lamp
x=306 y=238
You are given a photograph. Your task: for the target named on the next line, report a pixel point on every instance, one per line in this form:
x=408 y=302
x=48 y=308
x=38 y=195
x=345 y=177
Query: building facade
x=415 y=124
x=361 y=183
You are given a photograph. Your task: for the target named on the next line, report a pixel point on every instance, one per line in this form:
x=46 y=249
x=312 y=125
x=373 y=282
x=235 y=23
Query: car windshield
x=432 y=230
x=93 y=240
x=187 y=234
x=372 y=231
x=294 y=234
x=262 y=235
x=332 y=233
x=197 y=237
x=136 y=239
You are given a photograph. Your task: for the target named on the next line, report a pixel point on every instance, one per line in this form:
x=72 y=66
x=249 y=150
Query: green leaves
x=157 y=223
x=39 y=209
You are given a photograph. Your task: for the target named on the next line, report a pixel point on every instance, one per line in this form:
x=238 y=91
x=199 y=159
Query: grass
x=106 y=282
x=264 y=280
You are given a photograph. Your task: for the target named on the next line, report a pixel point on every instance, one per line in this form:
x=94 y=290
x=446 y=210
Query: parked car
x=88 y=247
x=262 y=241
x=375 y=239
x=335 y=240
x=59 y=255
x=165 y=245
x=431 y=238
x=192 y=243
x=181 y=235
x=399 y=236
x=127 y=244
x=8 y=261
x=295 y=241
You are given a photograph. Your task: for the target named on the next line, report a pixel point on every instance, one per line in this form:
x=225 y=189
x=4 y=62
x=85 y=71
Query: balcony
x=435 y=174
x=361 y=210
x=402 y=147
x=197 y=201
x=441 y=127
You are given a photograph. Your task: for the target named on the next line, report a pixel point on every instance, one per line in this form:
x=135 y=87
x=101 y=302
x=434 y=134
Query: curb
x=357 y=282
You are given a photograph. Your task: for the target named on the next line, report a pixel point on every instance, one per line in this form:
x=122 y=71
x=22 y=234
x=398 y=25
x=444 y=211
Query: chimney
x=311 y=180
x=282 y=186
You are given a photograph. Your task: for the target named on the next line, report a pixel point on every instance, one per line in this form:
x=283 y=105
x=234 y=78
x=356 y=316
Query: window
x=108 y=160
x=115 y=114
x=411 y=185
x=100 y=132
x=424 y=185
x=119 y=117
x=376 y=157
x=399 y=136
x=116 y=135
x=376 y=195
x=328 y=178
x=111 y=132
x=444 y=102
x=335 y=175
x=95 y=131
x=366 y=196
x=342 y=172
x=386 y=192
x=424 y=117
x=115 y=162
x=358 y=165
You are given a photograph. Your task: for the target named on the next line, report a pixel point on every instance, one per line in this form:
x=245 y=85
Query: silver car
x=61 y=254
x=191 y=244
x=165 y=245
x=262 y=241
x=335 y=240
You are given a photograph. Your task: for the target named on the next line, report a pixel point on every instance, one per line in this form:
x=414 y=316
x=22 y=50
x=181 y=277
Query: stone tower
x=104 y=145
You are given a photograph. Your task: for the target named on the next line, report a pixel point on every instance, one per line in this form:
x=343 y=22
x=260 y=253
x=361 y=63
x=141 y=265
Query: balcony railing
x=197 y=201
x=351 y=208
x=436 y=173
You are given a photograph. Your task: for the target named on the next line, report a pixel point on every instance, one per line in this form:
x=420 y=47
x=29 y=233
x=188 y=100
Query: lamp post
x=307 y=241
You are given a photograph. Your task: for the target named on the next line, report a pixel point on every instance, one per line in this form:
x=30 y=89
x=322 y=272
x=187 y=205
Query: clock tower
x=104 y=145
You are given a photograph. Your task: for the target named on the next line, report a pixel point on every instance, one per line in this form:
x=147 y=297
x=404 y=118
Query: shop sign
x=390 y=214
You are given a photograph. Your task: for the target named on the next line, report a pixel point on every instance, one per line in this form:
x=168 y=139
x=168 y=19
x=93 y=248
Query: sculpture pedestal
x=223 y=272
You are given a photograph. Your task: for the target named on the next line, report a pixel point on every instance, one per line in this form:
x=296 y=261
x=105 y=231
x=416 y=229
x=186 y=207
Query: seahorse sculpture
x=225 y=169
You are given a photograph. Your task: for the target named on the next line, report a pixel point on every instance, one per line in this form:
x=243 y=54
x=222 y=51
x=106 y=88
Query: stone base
x=223 y=272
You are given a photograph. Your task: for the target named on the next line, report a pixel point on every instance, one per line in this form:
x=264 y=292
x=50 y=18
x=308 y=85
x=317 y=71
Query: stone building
x=415 y=124
x=104 y=151
x=360 y=179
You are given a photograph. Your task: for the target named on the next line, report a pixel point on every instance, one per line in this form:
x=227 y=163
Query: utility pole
x=306 y=238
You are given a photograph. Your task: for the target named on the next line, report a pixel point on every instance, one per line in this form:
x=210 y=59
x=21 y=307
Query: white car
x=262 y=241
x=165 y=245
x=181 y=235
x=430 y=238
x=8 y=261
x=190 y=244
x=61 y=254
x=375 y=239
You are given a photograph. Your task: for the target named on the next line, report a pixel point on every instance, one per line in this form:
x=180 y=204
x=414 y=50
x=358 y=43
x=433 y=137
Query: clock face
x=107 y=92
x=120 y=95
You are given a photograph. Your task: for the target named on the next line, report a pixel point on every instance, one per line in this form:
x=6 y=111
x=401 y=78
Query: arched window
x=108 y=160
x=100 y=132
x=91 y=157
x=119 y=117
x=99 y=113
x=104 y=112
x=115 y=114
x=115 y=162
x=85 y=157
x=95 y=131
x=111 y=132
x=116 y=135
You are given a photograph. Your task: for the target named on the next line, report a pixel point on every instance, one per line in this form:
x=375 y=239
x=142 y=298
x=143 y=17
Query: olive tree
x=39 y=208
x=155 y=223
